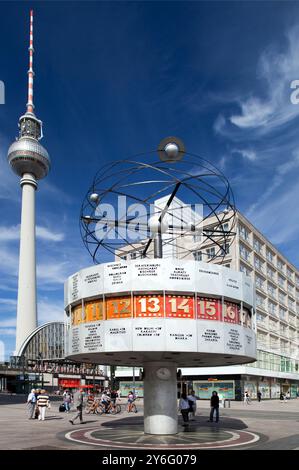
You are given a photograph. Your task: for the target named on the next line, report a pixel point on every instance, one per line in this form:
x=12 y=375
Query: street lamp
x=40 y=357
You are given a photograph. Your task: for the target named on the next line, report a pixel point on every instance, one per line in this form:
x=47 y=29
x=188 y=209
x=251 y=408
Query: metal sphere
x=134 y=196
x=172 y=150
x=27 y=155
x=94 y=197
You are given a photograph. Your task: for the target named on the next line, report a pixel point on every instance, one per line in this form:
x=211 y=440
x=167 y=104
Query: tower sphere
x=27 y=155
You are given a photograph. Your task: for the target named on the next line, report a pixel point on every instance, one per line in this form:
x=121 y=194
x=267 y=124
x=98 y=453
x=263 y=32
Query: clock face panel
x=163 y=373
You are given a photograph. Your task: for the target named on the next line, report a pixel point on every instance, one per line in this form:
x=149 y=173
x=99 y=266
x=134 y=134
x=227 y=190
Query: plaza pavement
x=277 y=424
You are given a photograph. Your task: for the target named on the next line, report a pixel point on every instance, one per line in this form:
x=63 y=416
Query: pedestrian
x=288 y=395
x=192 y=404
x=184 y=408
x=131 y=399
x=78 y=403
x=67 y=399
x=31 y=404
x=246 y=398
x=259 y=396
x=113 y=396
x=43 y=402
x=37 y=393
x=214 y=407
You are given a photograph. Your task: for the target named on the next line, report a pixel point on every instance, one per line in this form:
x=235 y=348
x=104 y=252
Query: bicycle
x=92 y=407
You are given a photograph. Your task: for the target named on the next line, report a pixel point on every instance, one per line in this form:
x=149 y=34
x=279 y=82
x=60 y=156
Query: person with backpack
x=214 y=407
x=67 y=399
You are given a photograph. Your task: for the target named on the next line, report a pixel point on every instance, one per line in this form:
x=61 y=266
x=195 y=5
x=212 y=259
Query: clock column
x=160 y=398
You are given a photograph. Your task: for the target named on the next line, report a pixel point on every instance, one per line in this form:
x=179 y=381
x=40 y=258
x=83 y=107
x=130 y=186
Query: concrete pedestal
x=160 y=398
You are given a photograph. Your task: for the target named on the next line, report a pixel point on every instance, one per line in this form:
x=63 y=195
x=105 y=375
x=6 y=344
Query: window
x=225 y=249
x=245 y=270
x=271 y=290
x=259 y=282
x=291 y=289
x=197 y=255
x=258 y=263
x=123 y=257
x=270 y=256
x=280 y=264
x=270 y=272
x=134 y=255
x=282 y=313
x=271 y=307
x=291 y=304
x=197 y=238
x=281 y=297
x=273 y=325
x=290 y=274
x=225 y=227
x=245 y=254
x=243 y=232
x=259 y=301
x=260 y=318
x=257 y=245
x=281 y=280
x=210 y=252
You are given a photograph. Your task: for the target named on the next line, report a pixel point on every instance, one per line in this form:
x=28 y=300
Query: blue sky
x=114 y=78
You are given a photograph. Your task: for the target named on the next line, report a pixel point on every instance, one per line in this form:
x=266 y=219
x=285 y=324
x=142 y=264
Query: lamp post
x=40 y=357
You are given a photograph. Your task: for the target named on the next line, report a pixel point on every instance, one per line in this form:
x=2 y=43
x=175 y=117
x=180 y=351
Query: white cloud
x=279 y=177
x=7 y=332
x=254 y=113
x=44 y=233
x=49 y=310
x=275 y=71
x=9 y=322
x=247 y=154
x=12 y=233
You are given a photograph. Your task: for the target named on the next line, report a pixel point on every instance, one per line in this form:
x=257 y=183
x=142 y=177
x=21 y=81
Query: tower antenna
x=30 y=105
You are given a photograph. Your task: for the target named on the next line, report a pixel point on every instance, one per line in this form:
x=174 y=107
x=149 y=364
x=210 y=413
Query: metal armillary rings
x=182 y=198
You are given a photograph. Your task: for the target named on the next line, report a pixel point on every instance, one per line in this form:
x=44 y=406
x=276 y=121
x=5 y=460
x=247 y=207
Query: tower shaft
x=26 y=308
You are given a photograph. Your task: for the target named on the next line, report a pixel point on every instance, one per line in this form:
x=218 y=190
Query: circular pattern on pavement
x=134 y=438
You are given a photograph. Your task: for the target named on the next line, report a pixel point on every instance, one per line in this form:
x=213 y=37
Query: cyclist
x=105 y=400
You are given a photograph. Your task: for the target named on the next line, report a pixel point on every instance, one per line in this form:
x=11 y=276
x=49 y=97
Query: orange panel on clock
x=149 y=306
x=118 y=307
x=94 y=310
x=208 y=309
x=179 y=306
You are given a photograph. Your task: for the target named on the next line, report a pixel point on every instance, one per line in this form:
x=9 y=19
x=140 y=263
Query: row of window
x=273 y=307
x=275 y=362
x=270 y=256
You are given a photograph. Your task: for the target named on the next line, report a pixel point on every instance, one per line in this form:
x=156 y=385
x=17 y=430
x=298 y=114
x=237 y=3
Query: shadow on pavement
x=201 y=421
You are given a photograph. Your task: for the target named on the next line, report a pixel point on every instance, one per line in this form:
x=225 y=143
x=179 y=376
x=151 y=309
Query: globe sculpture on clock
x=158 y=227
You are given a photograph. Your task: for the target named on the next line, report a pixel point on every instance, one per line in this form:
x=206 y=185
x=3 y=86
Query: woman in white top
x=184 y=408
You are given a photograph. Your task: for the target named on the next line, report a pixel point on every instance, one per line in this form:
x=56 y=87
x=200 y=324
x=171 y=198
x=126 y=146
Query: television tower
x=29 y=160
